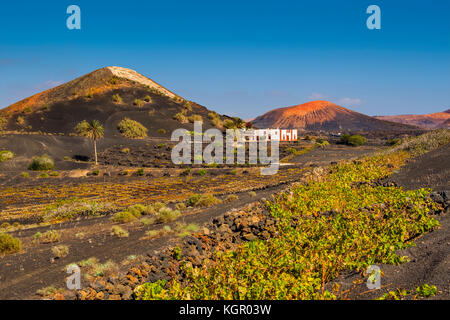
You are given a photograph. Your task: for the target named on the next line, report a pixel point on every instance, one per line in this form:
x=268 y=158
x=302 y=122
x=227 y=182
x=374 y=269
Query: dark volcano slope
x=61 y=117
x=94 y=97
x=431 y=170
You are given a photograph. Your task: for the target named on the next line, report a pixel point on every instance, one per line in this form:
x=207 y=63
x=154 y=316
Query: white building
x=271 y=134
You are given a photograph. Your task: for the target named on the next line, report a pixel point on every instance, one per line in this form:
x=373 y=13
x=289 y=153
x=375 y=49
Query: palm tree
x=92 y=130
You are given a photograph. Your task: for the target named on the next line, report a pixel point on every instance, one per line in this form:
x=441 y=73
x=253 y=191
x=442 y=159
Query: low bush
x=119 y=232
x=123 y=217
x=139 y=103
x=60 y=251
x=187 y=105
x=229 y=124
x=148 y=99
x=161 y=131
x=132 y=129
x=134 y=212
x=167 y=215
x=201 y=172
x=354 y=140
x=50 y=236
x=231 y=197
x=181 y=118
x=20 y=120
x=42 y=163
x=140 y=172
x=117 y=98
x=195 y=117
x=426 y=290
x=9 y=244
x=202 y=200
x=185 y=230
x=6 y=155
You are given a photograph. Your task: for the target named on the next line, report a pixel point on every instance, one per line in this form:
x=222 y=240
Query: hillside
x=324 y=115
x=109 y=95
x=428 y=121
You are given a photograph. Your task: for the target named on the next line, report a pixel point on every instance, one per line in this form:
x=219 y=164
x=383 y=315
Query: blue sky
x=241 y=57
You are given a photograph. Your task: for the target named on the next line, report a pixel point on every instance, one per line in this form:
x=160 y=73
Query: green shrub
x=161 y=131
x=229 y=124
x=354 y=140
x=426 y=290
x=6 y=155
x=217 y=123
x=140 y=172
x=195 y=117
x=42 y=163
x=139 y=103
x=125 y=150
x=44 y=175
x=185 y=230
x=322 y=143
x=119 y=232
x=25 y=174
x=291 y=150
x=147 y=221
x=95 y=172
x=187 y=105
x=54 y=174
x=9 y=244
x=50 y=236
x=158 y=205
x=148 y=99
x=167 y=215
x=213 y=115
x=123 y=217
x=160 y=145
x=117 y=98
x=231 y=197
x=181 y=118
x=132 y=129
x=20 y=120
x=201 y=172
x=203 y=200
x=60 y=251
